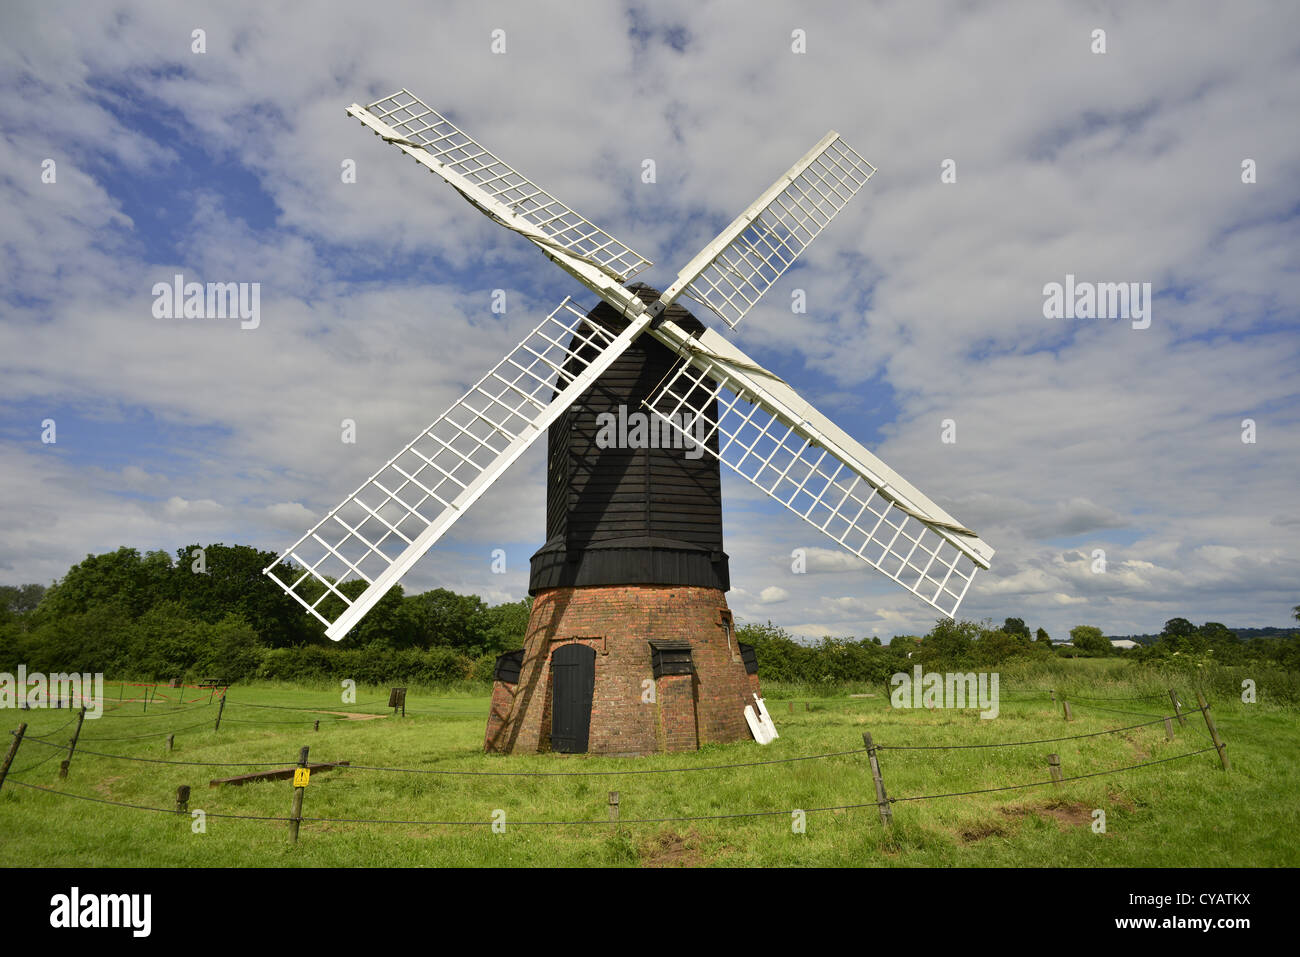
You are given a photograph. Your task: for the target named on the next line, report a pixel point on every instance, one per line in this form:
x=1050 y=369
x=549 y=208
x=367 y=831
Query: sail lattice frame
x=785 y=458
x=396 y=515
x=451 y=148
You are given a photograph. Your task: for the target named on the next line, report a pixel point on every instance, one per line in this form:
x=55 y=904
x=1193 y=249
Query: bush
x=371 y=665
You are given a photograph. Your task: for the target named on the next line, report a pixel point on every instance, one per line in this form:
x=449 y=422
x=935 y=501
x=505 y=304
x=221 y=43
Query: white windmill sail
x=379 y=531
x=730 y=274
x=774 y=438
x=590 y=254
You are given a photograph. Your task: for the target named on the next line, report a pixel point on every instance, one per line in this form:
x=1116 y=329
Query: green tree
x=1090 y=639
x=950 y=644
x=20 y=599
x=995 y=647
x=507 y=626
x=1181 y=636
x=442 y=617
x=780 y=657
x=1222 y=642
x=123 y=577
x=1043 y=638
x=231 y=582
x=1016 y=626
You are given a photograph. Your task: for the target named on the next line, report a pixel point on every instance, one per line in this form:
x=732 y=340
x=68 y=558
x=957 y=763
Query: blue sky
x=924 y=297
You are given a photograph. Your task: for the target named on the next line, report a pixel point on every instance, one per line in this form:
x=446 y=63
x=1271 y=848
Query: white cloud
x=1071 y=437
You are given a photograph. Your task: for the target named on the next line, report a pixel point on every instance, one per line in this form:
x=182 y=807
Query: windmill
x=630 y=646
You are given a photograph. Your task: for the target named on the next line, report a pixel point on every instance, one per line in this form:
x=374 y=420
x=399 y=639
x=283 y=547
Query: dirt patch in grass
x=1139 y=753
x=105 y=785
x=1069 y=813
x=985 y=829
x=1120 y=801
x=670 y=849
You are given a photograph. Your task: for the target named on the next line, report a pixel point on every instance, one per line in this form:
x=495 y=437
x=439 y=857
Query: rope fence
x=883 y=801
x=1014 y=744
x=1035 y=784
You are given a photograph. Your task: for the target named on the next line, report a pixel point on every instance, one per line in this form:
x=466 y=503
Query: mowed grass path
x=1180 y=813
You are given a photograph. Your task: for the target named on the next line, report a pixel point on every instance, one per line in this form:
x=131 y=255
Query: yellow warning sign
x=301 y=777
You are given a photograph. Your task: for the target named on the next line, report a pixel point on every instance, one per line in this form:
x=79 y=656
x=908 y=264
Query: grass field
x=1180 y=813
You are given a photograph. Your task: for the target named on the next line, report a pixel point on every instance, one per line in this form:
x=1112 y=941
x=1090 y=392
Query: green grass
x=1181 y=813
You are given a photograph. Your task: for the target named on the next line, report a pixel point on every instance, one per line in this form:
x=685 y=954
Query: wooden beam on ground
x=280 y=774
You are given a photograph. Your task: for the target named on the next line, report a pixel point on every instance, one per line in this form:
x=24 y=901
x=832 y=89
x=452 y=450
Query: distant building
x=1123 y=643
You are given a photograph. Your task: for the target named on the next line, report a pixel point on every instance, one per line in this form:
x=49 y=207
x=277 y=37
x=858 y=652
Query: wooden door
x=573 y=671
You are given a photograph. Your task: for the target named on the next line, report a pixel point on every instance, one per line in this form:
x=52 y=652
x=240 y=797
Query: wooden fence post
x=1053 y=697
x=882 y=799
x=220 y=711
x=1169 y=728
x=1178 y=712
x=13 y=750
x=1214 y=732
x=1054 y=765
x=182 y=798
x=317 y=727
x=1065 y=708
x=171 y=741
x=72 y=745
x=296 y=818
x=613 y=809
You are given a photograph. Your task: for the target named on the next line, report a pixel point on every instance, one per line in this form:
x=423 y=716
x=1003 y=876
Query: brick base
x=631 y=712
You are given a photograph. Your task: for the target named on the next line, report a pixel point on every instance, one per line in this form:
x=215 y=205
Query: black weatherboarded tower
x=643 y=510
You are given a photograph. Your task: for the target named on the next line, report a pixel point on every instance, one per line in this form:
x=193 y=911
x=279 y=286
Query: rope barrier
x=1035 y=784
x=633 y=820
x=56 y=749
x=359 y=820
x=1013 y=744
x=150 y=734
x=448 y=771
x=205 y=764
x=648 y=820
x=50 y=734
x=298 y=721
x=36 y=764
x=145 y=807
x=287 y=707
x=552 y=774
x=158 y=714
x=1140 y=714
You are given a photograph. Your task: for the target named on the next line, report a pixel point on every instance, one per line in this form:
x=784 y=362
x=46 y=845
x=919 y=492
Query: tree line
x=964 y=645
x=209 y=612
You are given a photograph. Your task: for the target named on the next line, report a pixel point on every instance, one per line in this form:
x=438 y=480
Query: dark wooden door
x=573 y=668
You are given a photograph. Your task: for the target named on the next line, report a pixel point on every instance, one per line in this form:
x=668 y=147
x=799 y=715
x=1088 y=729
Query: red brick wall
x=619 y=622
x=677 y=712
x=503 y=696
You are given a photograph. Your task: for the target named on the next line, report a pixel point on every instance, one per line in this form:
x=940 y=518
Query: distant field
x=1180 y=813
